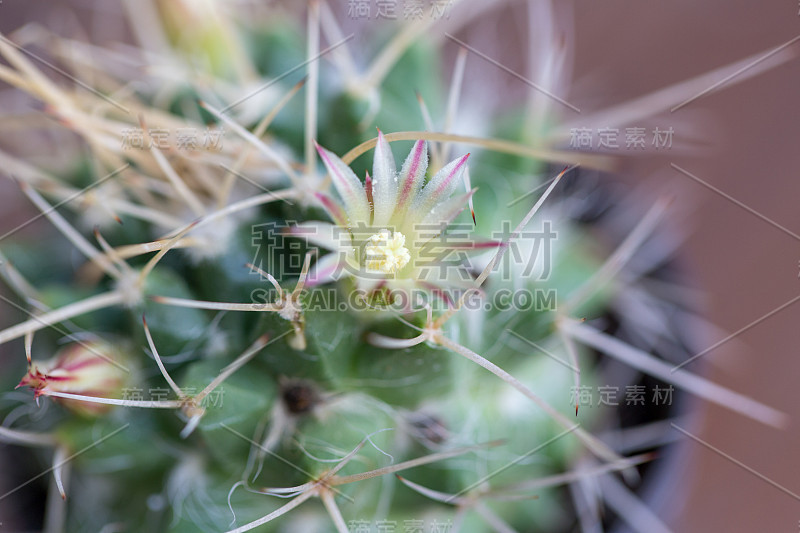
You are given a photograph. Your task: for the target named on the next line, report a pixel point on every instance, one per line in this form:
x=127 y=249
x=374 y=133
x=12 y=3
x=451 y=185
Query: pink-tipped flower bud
x=85 y=368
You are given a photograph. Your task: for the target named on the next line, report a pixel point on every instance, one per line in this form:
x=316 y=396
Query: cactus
x=262 y=339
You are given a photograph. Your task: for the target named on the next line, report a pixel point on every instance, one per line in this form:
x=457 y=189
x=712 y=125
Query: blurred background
x=743 y=140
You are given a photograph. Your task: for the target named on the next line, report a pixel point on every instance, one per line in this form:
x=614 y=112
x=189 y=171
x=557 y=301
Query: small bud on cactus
x=82 y=368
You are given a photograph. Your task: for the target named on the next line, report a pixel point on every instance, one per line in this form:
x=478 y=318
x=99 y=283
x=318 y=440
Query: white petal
x=329 y=268
x=322 y=234
x=411 y=177
x=440 y=187
x=445 y=212
x=333 y=208
x=348 y=186
x=384 y=174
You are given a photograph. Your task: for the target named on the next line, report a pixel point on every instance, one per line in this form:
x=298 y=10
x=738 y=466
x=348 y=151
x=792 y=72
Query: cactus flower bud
x=86 y=368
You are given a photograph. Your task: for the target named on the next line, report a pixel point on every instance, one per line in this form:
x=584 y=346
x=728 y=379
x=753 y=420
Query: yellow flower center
x=386 y=252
